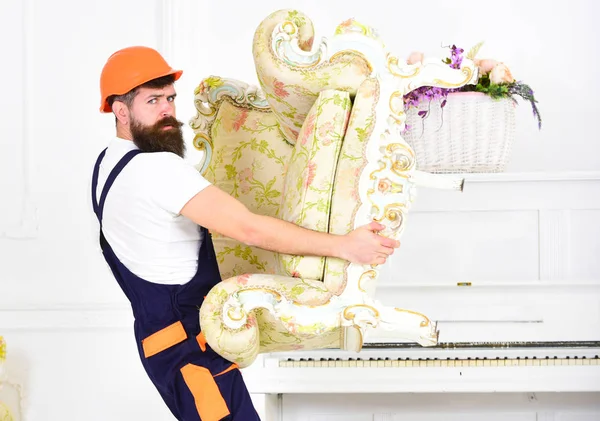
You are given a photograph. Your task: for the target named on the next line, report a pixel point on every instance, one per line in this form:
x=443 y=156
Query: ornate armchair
x=318 y=144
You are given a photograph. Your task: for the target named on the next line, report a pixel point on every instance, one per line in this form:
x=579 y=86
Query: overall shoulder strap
x=95 y=181
x=99 y=206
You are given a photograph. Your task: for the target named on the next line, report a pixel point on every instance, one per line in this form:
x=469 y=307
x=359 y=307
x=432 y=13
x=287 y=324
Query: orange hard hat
x=129 y=68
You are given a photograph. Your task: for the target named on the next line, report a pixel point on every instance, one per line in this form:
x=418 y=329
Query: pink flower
x=485 y=65
x=240 y=120
x=295 y=274
x=312 y=170
x=325 y=133
x=306 y=45
x=500 y=73
x=415 y=57
x=243 y=279
x=292 y=328
x=347 y=23
x=308 y=129
x=383 y=186
x=251 y=322
x=278 y=87
x=253 y=124
x=245 y=174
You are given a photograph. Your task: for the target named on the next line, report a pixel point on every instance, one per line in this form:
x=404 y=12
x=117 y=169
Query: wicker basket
x=472 y=133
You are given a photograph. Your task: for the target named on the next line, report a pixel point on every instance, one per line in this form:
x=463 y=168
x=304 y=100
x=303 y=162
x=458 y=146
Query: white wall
x=60 y=309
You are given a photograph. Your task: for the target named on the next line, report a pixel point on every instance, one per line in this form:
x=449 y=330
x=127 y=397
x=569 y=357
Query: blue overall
x=194 y=381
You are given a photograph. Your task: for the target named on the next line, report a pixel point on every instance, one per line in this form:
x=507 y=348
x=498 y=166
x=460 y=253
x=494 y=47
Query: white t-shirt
x=141 y=219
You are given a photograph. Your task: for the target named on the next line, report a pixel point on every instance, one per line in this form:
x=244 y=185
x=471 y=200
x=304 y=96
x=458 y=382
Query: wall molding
x=25 y=227
x=555 y=250
x=177 y=32
x=167 y=28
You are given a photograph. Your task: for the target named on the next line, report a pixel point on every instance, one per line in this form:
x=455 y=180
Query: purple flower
x=456 y=57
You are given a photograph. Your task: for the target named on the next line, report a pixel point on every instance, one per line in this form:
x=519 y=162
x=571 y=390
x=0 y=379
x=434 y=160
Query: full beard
x=156 y=138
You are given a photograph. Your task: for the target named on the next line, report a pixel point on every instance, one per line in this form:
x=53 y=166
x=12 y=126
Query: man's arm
x=214 y=209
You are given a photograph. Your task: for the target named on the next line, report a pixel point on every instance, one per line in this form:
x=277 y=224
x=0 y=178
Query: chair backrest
x=245 y=155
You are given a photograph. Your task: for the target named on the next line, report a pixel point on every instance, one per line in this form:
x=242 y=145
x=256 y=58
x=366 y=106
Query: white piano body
x=533 y=367
x=510 y=269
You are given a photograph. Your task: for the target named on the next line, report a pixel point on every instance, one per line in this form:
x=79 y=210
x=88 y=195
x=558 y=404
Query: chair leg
x=352 y=338
x=408 y=325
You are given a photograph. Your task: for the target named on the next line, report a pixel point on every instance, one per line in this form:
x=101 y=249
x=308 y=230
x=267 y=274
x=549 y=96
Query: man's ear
x=121 y=112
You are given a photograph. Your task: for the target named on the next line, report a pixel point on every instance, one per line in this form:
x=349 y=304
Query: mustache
x=168 y=121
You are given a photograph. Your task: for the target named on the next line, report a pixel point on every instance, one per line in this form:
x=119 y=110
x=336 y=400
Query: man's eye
x=171 y=98
x=152 y=101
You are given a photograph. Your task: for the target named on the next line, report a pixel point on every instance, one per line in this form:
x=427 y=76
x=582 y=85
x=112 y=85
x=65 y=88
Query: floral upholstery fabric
x=310 y=175
x=248 y=162
x=291 y=88
x=345 y=200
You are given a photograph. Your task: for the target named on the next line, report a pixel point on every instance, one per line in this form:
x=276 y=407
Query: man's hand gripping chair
x=319 y=145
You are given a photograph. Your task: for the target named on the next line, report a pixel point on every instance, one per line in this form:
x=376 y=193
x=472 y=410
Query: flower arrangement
x=495 y=80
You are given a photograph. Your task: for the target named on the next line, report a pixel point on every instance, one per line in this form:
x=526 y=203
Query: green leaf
x=213 y=81
x=361 y=133
x=322 y=205
x=230 y=170
x=297 y=290
x=289 y=114
x=473 y=51
x=347 y=103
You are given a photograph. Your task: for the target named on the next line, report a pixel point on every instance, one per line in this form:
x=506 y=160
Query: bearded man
x=155 y=212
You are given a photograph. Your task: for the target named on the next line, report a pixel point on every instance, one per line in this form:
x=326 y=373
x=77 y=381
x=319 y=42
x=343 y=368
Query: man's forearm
x=275 y=234
x=219 y=212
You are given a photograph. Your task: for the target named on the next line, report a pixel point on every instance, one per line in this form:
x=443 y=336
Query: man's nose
x=167 y=109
